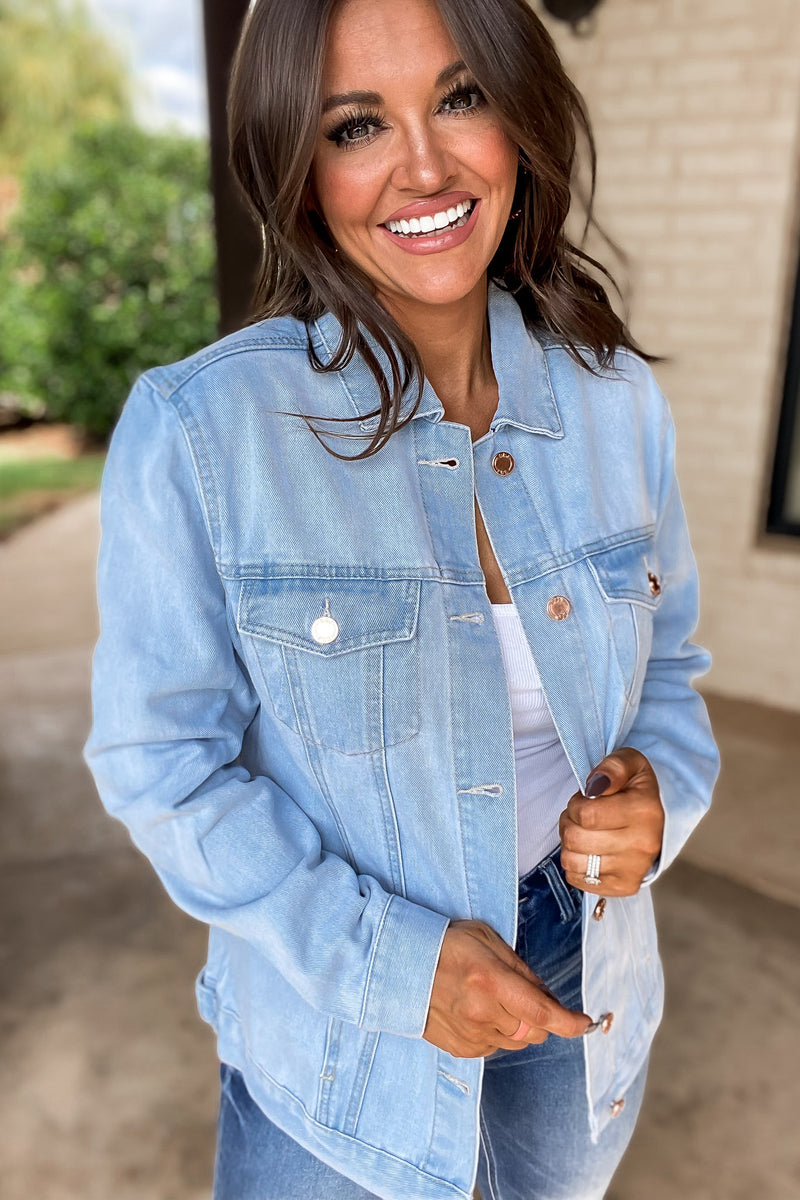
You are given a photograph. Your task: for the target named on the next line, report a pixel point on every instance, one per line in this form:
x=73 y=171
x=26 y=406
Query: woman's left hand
x=621 y=818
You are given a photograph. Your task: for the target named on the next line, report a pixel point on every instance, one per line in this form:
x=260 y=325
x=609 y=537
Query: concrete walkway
x=108 y=1080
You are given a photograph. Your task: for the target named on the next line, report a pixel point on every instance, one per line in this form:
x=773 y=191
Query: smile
x=422 y=227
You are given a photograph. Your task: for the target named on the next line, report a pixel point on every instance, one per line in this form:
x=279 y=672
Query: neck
x=453 y=343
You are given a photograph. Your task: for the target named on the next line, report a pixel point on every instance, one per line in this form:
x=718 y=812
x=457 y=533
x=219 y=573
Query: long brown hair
x=274 y=110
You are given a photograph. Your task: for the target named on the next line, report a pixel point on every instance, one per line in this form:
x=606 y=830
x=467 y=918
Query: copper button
x=617 y=1106
x=606 y=1022
x=503 y=463
x=558 y=608
x=655 y=583
x=599 y=909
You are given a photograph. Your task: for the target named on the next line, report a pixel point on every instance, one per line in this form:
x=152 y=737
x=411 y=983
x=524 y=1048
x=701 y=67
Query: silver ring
x=592 y=875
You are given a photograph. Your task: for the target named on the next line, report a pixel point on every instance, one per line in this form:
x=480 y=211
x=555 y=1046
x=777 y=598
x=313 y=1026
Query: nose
x=423 y=161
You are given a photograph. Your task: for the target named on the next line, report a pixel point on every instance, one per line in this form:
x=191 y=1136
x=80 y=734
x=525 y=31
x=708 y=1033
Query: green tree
x=55 y=71
x=107 y=268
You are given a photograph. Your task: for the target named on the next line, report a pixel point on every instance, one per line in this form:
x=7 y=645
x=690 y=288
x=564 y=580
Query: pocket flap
x=629 y=572
x=359 y=612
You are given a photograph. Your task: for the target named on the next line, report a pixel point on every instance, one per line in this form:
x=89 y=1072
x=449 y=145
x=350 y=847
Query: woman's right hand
x=481 y=992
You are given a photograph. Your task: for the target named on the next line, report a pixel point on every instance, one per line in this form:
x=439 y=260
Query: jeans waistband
x=548 y=875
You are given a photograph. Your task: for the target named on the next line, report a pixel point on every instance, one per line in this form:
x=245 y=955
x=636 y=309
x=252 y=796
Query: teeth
x=455 y=217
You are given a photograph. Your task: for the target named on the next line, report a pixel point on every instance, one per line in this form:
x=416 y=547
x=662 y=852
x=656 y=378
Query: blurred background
x=109 y=265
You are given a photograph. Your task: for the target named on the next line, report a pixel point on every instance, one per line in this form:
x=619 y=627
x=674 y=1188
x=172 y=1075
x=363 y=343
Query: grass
x=32 y=486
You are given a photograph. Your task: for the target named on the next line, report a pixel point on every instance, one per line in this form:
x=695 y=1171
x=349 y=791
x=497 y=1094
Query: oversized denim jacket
x=327 y=806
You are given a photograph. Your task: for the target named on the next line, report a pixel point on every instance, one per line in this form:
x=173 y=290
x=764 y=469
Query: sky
x=162 y=42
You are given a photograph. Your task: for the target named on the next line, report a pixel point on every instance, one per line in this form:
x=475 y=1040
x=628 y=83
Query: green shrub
x=107 y=269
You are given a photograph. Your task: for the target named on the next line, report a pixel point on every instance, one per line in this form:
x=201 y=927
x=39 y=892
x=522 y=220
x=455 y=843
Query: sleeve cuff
x=403 y=967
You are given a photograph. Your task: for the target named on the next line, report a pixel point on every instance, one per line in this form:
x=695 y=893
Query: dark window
x=783 y=515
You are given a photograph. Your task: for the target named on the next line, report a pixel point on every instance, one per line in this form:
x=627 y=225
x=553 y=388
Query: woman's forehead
x=372 y=42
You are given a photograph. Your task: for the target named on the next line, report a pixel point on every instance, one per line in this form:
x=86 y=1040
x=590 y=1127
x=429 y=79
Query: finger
x=609 y=888
x=616 y=879
x=614 y=772
x=541 y=1011
x=580 y=840
x=607 y=812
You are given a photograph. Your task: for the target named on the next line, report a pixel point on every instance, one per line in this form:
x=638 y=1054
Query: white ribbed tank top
x=545 y=780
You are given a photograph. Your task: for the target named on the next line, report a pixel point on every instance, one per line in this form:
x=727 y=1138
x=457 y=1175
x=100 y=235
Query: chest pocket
x=339 y=657
x=629 y=579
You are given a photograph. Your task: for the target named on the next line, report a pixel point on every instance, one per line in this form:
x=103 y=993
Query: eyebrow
x=341 y=98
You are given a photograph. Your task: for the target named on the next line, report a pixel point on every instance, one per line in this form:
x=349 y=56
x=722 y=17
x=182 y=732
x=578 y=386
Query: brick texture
x=696 y=112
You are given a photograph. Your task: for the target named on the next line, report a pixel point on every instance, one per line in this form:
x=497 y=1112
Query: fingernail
x=591 y=1028
x=596 y=784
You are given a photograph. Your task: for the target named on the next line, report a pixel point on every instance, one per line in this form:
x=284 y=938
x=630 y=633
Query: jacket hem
x=388 y=1175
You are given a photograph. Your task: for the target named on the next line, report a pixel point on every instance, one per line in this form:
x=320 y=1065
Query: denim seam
x=491 y=1162
x=204 y=474
x=360 y=1081
x=560 y=891
x=208 y=505
x=539 y=568
x=375 y=946
x=317 y=770
x=274 y=341
x=394 y=848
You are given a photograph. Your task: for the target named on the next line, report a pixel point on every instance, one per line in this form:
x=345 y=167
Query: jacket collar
x=526 y=397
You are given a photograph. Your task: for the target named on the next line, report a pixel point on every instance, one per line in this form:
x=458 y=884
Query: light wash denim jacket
x=326 y=806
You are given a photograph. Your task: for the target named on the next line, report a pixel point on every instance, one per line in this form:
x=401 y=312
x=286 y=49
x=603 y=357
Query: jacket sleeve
x=672 y=727
x=171 y=703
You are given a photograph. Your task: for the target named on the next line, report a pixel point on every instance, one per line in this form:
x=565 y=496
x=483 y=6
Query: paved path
x=108 y=1078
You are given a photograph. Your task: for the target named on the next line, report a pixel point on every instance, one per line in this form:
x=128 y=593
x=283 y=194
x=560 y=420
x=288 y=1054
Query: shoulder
x=278 y=338
x=627 y=386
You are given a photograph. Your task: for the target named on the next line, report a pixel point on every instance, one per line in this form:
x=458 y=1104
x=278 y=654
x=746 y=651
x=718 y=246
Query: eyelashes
x=354 y=120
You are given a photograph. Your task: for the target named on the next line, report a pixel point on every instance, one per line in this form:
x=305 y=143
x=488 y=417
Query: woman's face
x=412 y=172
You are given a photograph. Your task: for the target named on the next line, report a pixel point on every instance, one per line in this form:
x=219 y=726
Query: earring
x=515 y=214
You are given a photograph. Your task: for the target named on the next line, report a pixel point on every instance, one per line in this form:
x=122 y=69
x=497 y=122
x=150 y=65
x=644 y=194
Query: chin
x=449 y=289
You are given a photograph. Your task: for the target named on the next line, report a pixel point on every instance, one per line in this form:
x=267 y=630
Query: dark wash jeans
x=535 y=1142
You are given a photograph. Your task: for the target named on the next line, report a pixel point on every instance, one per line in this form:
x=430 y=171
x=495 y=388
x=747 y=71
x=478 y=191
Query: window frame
x=788 y=429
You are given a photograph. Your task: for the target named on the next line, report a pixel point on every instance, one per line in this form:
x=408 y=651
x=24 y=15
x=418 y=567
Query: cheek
x=495 y=157
x=503 y=155
x=346 y=192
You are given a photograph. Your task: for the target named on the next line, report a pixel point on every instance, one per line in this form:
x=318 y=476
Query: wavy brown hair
x=274 y=111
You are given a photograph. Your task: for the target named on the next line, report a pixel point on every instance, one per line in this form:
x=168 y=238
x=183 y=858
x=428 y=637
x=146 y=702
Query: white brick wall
x=696 y=113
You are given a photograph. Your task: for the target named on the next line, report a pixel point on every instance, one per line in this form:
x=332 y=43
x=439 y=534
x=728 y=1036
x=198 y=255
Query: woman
x=394 y=681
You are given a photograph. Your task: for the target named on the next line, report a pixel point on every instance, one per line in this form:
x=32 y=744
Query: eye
x=355 y=129
x=357 y=133
x=464 y=98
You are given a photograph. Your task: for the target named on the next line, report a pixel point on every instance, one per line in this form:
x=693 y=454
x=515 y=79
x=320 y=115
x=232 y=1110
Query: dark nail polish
x=596 y=785
x=591 y=1028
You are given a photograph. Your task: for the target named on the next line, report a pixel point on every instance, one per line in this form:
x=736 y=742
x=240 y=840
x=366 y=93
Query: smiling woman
x=455 y=103
x=410 y=728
